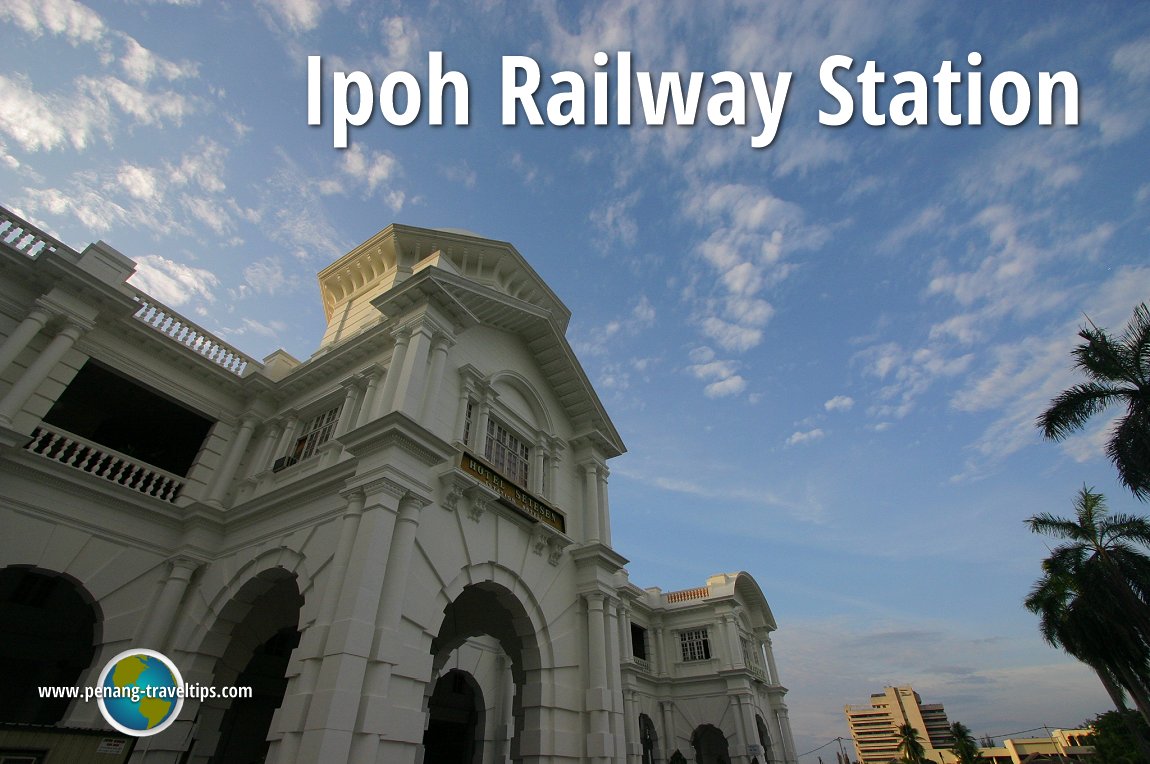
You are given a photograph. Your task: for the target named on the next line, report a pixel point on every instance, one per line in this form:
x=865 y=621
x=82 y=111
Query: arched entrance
x=261 y=624
x=710 y=745
x=486 y=619
x=648 y=738
x=48 y=631
x=764 y=737
x=455 y=720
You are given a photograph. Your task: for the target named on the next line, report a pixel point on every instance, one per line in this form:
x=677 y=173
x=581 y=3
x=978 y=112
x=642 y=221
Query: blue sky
x=825 y=356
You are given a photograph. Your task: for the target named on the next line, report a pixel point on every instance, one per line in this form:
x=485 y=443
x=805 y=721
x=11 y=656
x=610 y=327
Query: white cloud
x=369 y=167
x=139 y=182
x=74 y=21
x=1133 y=60
x=173 y=283
x=732 y=385
x=141 y=64
x=799 y=438
x=29 y=118
x=203 y=167
x=615 y=220
x=840 y=403
x=267 y=277
x=298 y=15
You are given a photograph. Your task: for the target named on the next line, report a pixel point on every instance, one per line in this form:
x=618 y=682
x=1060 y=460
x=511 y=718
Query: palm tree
x=1118 y=372
x=910 y=746
x=1093 y=599
x=965 y=747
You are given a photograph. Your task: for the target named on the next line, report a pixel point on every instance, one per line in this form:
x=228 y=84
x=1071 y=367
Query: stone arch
x=710 y=745
x=751 y=594
x=500 y=606
x=260 y=618
x=764 y=737
x=530 y=394
x=50 y=627
x=648 y=739
x=456 y=723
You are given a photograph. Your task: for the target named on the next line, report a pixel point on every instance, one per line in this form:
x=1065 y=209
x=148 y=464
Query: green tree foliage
x=1092 y=598
x=1119 y=736
x=910 y=746
x=1117 y=371
x=965 y=747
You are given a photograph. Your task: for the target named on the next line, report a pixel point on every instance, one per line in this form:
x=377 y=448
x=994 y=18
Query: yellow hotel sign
x=511 y=494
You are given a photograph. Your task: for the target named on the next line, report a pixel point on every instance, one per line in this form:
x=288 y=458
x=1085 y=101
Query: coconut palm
x=1092 y=599
x=965 y=747
x=1118 y=372
x=910 y=746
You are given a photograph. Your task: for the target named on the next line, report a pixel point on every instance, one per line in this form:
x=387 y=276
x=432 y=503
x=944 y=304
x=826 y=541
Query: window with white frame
x=695 y=645
x=317 y=432
x=507 y=453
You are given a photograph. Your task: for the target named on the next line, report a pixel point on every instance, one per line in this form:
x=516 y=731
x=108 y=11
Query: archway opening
x=710 y=745
x=455 y=720
x=648 y=738
x=47 y=638
x=261 y=624
x=764 y=737
x=243 y=731
x=488 y=629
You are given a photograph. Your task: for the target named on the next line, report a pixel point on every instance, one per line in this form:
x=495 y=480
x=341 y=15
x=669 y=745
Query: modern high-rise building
x=402 y=543
x=874 y=728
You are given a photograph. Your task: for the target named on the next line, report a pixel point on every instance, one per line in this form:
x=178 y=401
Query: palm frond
x=1072 y=408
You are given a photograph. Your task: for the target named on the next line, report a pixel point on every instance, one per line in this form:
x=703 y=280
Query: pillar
x=591 y=500
x=262 y=459
x=38 y=371
x=631 y=727
x=22 y=335
x=734 y=646
x=670 y=742
x=370 y=392
x=385 y=399
x=287 y=437
x=303 y=676
x=604 y=508
x=598 y=694
x=439 y=347
x=222 y=479
x=347 y=410
x=162 y=615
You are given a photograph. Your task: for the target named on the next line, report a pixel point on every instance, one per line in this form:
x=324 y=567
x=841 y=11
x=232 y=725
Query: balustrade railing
x=171 y=324
x=24 y=237
x=698 y=593
x=102 y=462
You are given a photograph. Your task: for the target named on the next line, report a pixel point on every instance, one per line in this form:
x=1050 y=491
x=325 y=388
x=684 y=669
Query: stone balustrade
x=61 y=446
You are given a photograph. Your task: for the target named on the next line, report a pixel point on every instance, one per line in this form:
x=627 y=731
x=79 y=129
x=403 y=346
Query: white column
x=553 y=482
x=604 y=508
x=347 y=410
x=537 y=465
x=386 y=397
x=287 y=437
x=412 y=382
x=591 y=529
x=398 y=561
x=740 y=707
x=290 y=717
x=222 y=479
x=367 y=406
x=461 y=418
x=263 y=457
x=160 y=618
x=731 y=634
x=663 y=662
x=22 y=335
x=479 y=437
x=669 y=739
x=37 y=372
x=788 y=741
x=615 y=679
x=598 y=693
x=774 y=671
x=631 y=727
x=439 y=347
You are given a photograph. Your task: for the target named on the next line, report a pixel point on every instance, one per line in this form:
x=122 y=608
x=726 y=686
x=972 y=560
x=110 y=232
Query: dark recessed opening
x=106 y=408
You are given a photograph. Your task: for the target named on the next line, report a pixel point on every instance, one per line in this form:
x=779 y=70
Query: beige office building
x=874 y=728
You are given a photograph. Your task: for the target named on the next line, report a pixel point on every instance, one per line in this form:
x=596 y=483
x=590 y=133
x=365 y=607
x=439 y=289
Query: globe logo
x=140 y=692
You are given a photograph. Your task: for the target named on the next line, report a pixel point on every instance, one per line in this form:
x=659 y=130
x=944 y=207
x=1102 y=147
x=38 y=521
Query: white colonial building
x=402 y=543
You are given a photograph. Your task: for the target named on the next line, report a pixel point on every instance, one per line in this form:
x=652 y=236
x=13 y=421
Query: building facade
x=874 y=728
x=402 y=543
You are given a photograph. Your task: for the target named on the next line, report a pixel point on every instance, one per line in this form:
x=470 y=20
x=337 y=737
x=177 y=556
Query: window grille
x=507 y=453
x=317 y=432
x=695 y=645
